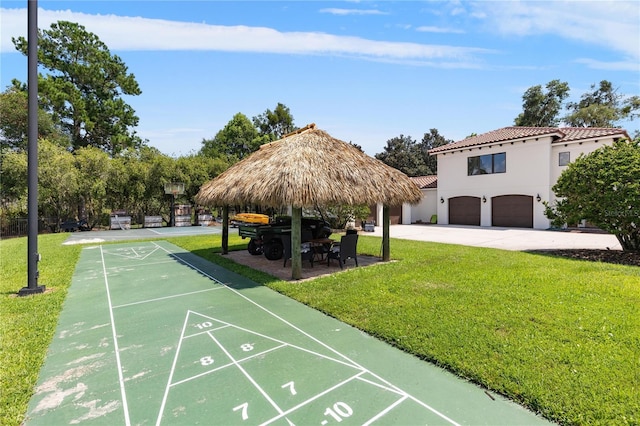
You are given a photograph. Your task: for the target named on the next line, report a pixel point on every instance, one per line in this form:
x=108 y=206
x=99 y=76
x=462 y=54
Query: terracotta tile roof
x=578 y=133
x=560 y=134
x=425 y=182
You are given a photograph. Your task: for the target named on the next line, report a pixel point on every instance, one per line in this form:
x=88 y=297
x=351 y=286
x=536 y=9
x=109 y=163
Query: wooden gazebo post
x=225 y=229
x=386 y=253
x=296 y=241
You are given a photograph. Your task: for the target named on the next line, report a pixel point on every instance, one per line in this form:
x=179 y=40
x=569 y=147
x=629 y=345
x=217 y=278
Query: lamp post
x=33 y=257
x=173 y=189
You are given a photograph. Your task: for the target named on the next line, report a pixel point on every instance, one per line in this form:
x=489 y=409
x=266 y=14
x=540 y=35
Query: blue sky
x=364 y=71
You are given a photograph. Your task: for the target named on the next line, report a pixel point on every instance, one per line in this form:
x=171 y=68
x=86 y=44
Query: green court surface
x=151 y=334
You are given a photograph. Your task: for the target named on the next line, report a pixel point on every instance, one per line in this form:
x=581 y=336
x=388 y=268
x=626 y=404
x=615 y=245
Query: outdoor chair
x=306 y=235
x=305 y=248
x=345 y=250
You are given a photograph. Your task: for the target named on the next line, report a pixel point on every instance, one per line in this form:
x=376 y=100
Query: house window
x=564 y=158
x=487 y=164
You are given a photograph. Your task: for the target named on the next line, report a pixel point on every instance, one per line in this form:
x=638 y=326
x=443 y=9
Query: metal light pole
x=33 y=257
x=173 y=189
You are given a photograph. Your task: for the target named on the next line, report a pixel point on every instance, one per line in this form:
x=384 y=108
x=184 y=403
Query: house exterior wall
x=528 y=172
x=532 y=168
x=422 y=212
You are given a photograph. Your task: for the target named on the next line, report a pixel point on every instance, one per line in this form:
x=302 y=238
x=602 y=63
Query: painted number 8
x=206 y=360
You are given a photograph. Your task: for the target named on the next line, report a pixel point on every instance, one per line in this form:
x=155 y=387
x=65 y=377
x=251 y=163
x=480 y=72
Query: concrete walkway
x=503 y=238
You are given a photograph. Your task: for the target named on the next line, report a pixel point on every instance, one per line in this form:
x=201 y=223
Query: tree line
x=92 y=161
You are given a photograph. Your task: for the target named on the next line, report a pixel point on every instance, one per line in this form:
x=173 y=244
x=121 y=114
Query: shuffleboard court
x=141 y=233
x=151 y=334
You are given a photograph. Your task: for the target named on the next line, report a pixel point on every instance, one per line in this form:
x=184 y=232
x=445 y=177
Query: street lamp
x=173 y=189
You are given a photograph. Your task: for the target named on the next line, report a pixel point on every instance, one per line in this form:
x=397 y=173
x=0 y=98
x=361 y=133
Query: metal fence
x=20 y=227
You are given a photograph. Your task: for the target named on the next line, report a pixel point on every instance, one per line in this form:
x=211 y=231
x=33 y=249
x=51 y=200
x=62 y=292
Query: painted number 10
x=339 y=411
x=203 y=325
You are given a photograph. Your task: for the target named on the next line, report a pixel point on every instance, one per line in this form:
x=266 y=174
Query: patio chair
x=345 y=250
x=305 y=248
x=306 y=235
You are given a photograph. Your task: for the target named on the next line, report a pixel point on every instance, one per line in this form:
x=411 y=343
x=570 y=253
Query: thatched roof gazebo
x=309 y=168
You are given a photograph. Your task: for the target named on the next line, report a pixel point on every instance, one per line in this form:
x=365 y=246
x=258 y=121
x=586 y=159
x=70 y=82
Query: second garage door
x=512 y=211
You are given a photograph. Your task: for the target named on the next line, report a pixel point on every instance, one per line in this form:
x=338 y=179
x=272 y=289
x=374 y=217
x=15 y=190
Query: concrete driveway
x=503 y=238
x=493 y=237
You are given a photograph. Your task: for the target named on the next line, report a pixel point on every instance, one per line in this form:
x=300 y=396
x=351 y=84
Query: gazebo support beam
x=386 y=220
x=296 y=236
x=225 y=229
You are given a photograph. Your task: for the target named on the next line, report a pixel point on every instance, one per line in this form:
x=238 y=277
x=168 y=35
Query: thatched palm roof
x=309 y=168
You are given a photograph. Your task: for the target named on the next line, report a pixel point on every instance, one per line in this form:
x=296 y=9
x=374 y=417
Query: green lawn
x=27 y=323
x=559 y=336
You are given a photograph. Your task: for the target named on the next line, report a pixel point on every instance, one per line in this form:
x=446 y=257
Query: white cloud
x=458 y=11
x=441 y=30
x=614 y=25
x=137 y=34
x=337 y=11
x=630 y=65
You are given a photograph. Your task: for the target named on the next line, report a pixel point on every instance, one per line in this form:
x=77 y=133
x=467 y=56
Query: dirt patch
x=593 y=255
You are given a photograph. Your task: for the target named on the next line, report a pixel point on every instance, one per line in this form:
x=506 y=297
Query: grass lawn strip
x=27 y=323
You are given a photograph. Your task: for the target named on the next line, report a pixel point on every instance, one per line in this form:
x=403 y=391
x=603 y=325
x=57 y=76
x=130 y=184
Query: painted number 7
x=290 y=386
x=243 y=407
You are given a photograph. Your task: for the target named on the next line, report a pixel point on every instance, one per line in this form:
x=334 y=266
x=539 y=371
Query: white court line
x=173 y=367
x=385 y=411
x=167 y=297
x=136 y=257
x=282 y=414
x=116 y=349
x=188 y=379
x=428 y=407
x=387 y=388
x=247 y=375
x=302 y=404
x=318 y=354
x=162 y=262
x=222 y=327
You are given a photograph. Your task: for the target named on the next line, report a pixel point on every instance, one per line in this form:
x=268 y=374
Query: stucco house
x=502 y=177
x=427 y=209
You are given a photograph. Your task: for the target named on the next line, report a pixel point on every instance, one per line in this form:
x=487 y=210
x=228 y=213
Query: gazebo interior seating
x=345 y=250
x=305 y=250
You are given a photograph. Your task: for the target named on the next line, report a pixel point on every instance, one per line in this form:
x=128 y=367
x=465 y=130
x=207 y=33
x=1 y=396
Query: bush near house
x=603 y=187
